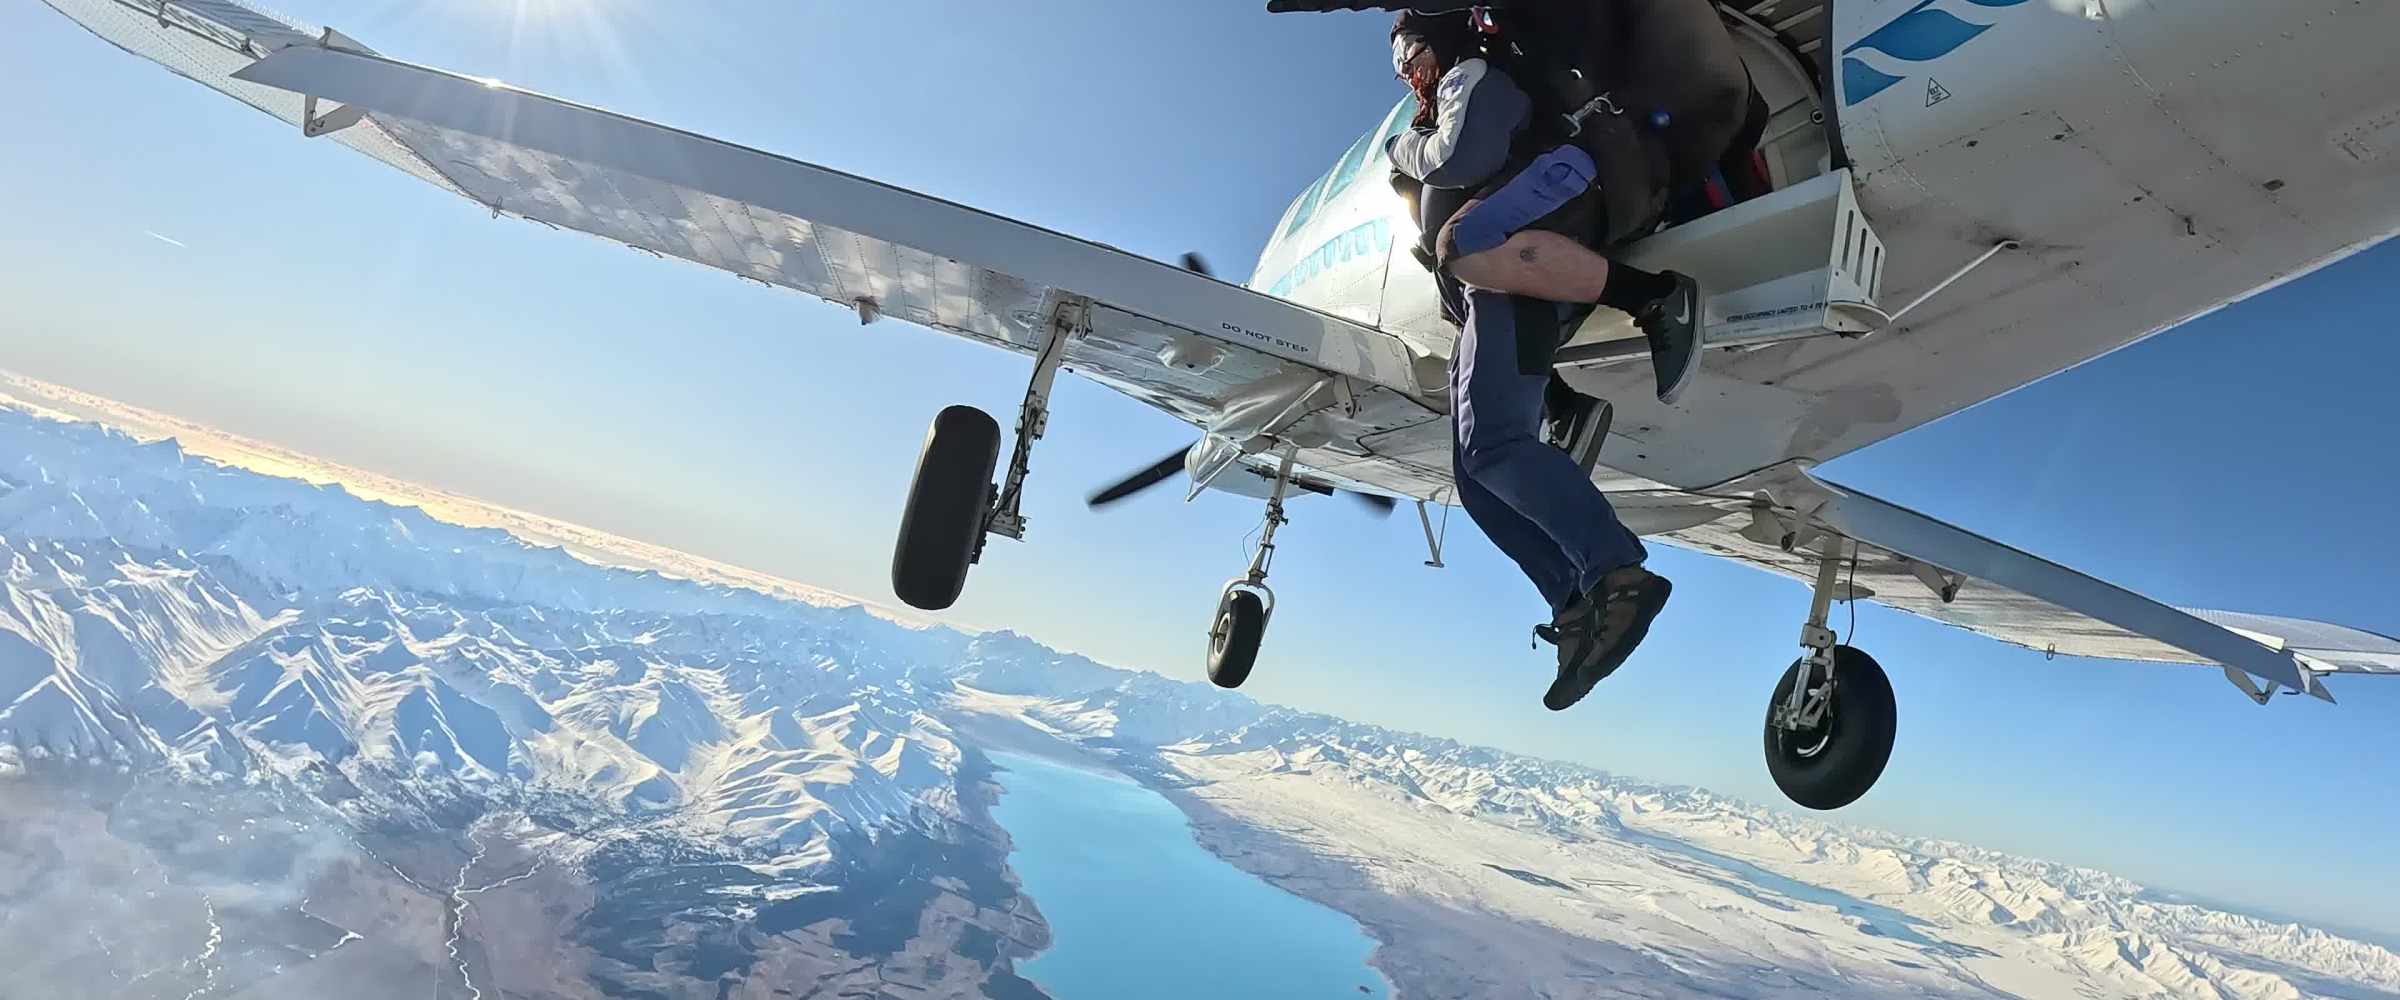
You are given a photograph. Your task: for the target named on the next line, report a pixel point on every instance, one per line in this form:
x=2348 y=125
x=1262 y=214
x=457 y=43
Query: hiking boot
x=1600 y=629
x=1671 y=322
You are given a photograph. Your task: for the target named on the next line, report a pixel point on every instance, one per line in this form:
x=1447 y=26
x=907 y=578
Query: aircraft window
x=1290 y=221
x=1347 y=171
x=1368 y=147
x=1307 y=206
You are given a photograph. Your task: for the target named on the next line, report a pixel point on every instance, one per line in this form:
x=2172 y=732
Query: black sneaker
x=1600 y=630
x=1672 y=324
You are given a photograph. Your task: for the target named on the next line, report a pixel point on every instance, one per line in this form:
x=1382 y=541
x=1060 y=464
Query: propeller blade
x=1157 y=473
x=1376 y=502
x=1198 y=265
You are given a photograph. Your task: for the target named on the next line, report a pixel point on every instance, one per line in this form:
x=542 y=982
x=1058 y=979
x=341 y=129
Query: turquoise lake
x=1138 y=909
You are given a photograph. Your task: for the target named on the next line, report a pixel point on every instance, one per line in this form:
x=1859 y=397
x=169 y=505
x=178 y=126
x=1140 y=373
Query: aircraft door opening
x=1783 y=42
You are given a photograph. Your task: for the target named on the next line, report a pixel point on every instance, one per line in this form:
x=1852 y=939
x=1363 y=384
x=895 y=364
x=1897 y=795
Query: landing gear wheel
x=942 y=526
x=1830 y=764
x=1233 y=641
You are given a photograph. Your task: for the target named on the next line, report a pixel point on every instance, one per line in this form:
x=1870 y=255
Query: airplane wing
x=1911 y=562
x=1181 y=341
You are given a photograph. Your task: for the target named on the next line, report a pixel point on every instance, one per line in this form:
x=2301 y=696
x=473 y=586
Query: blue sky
x=324 y=302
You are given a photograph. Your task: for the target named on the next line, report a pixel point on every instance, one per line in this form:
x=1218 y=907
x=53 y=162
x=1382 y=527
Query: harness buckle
x=1602 y=103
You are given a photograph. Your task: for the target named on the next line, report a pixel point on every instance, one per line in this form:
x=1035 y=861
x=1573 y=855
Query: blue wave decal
x=1920 y=34
x=1861 y=81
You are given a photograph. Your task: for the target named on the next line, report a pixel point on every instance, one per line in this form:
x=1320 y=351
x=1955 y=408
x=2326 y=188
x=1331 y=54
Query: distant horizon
x=224 y=448
x=271 y=458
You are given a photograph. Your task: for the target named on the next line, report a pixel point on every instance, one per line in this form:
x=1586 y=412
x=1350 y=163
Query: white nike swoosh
x=1683 y=311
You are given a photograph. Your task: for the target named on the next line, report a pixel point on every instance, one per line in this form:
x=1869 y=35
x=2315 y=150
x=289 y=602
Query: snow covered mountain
x=161 y=609
x=332 y=738
x=439 y=698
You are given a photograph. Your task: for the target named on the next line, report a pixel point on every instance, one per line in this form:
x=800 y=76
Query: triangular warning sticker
x=1935 y=93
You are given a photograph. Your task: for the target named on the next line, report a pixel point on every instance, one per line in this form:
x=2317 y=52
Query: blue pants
x=1529 y=498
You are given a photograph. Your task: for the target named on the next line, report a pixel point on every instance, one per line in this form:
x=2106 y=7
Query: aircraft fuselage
x=2151 y=160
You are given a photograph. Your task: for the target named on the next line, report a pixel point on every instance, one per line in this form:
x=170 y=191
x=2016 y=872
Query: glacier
x=305 y=737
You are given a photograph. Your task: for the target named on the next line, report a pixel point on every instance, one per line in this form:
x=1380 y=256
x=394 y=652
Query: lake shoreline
x=978 y=791
x=1001 y=735
x=1208 y=824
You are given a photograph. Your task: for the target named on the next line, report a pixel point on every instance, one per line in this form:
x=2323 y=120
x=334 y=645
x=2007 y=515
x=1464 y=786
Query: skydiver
x=1490 y=225
x=1639 y=98
x=1534 y=198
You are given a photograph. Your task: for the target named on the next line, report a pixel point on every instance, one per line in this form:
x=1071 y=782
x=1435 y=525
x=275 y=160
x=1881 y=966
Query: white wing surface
x=1186 y=343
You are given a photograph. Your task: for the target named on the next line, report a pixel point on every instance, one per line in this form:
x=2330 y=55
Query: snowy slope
x=158 y=609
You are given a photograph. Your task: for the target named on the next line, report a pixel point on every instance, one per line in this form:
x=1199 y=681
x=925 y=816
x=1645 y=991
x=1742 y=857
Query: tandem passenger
x=1506 y=227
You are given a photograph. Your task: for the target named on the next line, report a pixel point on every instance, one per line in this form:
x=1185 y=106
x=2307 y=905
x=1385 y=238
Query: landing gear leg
x=953 y=504
x=1245 y=604
x=1832 y=719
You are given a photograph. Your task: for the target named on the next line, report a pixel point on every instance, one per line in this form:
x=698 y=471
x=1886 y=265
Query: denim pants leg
x=1496 y=411
x=1517 y=538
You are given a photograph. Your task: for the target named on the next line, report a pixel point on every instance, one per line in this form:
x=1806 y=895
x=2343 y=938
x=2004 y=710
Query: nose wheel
x=1245 y=604
x=1832 y=720
x=1233 y=641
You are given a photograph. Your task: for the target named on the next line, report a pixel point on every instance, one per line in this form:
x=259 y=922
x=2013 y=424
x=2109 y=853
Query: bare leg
x=1537 y=264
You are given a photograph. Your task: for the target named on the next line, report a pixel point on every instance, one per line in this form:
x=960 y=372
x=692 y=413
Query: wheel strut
x=1067 y=318
x=1809 y=699
x=1246 y=604
x=1262 y=559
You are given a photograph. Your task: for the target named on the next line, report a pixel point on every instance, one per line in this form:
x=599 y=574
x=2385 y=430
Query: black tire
x=1830 y=766
x=1233 y=643
x=943 y=522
